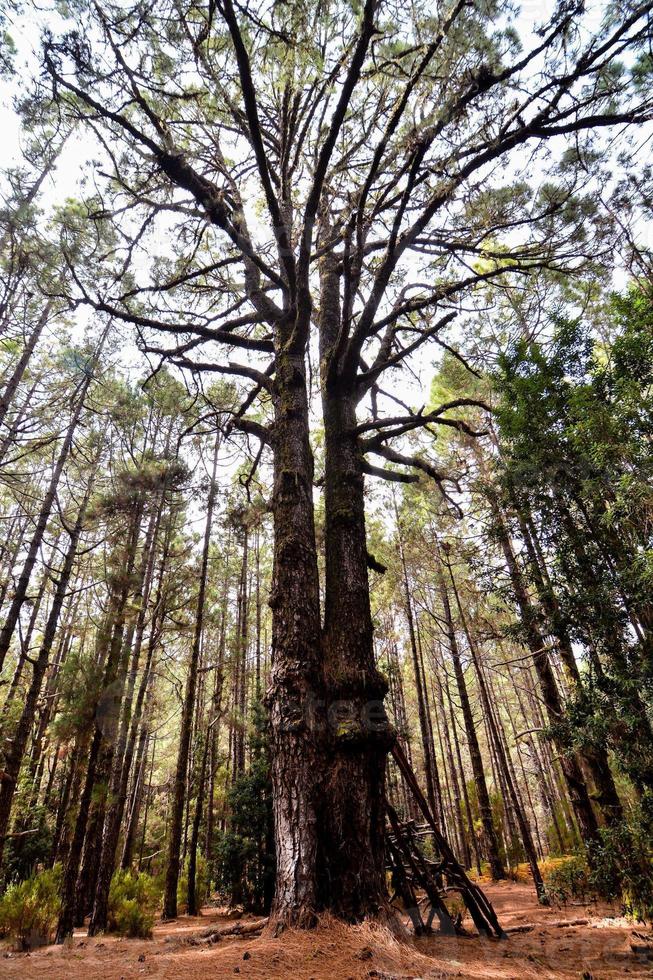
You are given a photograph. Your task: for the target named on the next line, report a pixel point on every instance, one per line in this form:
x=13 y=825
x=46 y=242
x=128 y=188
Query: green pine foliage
x=29 y=909
x=202 y=883
x=245 y=851
x=575 y=422
x=133 y=903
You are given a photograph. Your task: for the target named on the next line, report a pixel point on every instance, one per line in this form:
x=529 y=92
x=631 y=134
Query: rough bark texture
x=358 y=728
x=295 y=684
x=358 y=731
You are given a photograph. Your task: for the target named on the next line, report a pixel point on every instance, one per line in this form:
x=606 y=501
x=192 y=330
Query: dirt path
x=599 y=950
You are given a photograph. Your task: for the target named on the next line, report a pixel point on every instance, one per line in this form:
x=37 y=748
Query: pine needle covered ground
x=598 y=947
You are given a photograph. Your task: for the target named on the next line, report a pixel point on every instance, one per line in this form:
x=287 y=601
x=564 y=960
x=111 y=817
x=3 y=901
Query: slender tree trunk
x=258 y=617
x=22 y=584
x=110 y=711
x=50 y=697
x=457 y=804
x=110 y=644
x=193 y=908
x=133 y=810
x=217 y=712
x=23 y=653
x=10 y=438
x=7 y=395
x=148 y=800
x=122 y=758
x=536 y=643
x=501 y=754
x=427 y=743
x=181 y=773
x=595 y=758
x=71 y=782
x=463 y=781
x=14 y=755
x=485 y=809
x=240 y=686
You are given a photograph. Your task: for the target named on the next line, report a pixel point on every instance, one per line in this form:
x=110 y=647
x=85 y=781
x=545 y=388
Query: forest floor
x=596 y=947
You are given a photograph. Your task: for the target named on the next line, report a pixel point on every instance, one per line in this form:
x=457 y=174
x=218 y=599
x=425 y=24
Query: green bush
x=569 y=879
x=26 y=852
x=623 y=870
x=245 y=860
x=201 y=883
x=29 y=910
x=133 y=902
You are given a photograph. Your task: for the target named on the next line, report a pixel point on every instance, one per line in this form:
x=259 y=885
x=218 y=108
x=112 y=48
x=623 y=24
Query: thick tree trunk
x=296 y=691
x=359 y=732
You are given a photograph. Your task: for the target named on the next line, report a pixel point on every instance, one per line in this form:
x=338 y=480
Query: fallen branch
x=645 y=951
x=212 y=935
x=561 y=924
x=526 y=927
x=237 y=929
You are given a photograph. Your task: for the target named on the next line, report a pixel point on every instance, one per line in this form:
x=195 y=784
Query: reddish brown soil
x=598 y=950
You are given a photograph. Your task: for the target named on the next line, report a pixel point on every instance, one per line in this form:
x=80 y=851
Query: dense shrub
x=245 y=861
x=29 y=909
x=623 y=870
x=201 y=883
x=568 y=879
x=133 y=901
x=31 y=849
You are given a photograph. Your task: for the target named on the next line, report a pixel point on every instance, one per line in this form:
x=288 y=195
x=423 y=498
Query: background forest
x=505 y=394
